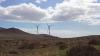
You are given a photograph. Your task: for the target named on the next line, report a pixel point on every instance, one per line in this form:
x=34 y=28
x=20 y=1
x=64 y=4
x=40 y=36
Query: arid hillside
x=15 y=42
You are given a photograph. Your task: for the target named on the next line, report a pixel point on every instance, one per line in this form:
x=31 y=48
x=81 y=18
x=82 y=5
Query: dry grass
x=39 y=52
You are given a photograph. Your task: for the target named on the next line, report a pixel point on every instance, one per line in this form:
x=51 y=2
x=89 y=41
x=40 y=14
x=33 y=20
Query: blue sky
x=42 y=5
x=68 y=18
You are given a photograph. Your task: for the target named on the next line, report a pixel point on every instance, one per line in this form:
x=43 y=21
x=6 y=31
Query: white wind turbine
x=37 y=28
x=49 y=29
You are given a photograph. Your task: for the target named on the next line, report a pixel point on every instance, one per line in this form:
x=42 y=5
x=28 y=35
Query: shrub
x=61 y=45
x=26 y=46
x=13 y=52
x=94 y=42
x=83 y=51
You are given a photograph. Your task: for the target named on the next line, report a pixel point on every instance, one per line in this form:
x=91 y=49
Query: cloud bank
x=22 y=12
x=87 y=11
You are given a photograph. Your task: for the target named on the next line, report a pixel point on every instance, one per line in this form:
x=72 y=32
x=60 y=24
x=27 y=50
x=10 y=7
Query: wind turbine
x=49 y=29
x=37 y=28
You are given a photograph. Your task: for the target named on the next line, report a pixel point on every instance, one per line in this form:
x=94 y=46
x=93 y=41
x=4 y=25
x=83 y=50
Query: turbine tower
x=37 y=28
x=49 y=29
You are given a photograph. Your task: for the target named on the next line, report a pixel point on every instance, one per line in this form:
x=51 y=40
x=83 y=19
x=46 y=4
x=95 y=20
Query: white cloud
x=39 y=1
x=66 y=11
x=23 y=12
x=77 y=10
x=87 y=11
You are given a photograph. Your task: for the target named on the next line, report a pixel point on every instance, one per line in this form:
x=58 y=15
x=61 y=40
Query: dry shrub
x=83 y=51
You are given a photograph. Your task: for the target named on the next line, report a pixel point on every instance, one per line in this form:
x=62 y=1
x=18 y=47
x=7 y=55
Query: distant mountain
x=46 y=35
x=17 y=33
x=88 y=37
x=2 y=28
x=11 y=31
x=14 y=33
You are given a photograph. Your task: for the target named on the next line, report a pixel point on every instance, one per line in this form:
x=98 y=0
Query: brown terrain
x=15 y=42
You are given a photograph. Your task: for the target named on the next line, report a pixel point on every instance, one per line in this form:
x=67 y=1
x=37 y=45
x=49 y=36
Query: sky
x=67 y=18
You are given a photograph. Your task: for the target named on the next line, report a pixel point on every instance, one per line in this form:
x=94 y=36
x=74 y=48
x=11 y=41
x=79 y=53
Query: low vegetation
x=26 y=44
x=83 y=51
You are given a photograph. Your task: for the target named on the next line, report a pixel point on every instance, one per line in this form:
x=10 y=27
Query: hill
x=11 y=31
x=15 y=42
x=14 y=33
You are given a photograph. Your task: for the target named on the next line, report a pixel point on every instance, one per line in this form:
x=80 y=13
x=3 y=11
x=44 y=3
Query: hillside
x=14 y=33
x=15 y=42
